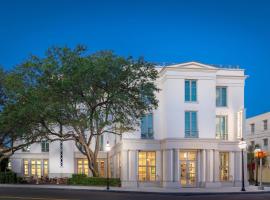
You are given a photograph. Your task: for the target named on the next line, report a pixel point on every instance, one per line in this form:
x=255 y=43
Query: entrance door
x=188 y=168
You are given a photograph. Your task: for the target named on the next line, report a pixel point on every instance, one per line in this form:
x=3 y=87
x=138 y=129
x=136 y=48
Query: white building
x=258 y=133
x=190 y=140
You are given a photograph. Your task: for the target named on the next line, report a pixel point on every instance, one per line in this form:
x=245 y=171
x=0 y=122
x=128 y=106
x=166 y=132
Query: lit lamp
x=108 y=149
x=243 y=145
x=260 y=154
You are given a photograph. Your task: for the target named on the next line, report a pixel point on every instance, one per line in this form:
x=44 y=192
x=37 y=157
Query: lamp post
x=243 y=145
x=256 y=165
x=260 y=154
x=107 y=149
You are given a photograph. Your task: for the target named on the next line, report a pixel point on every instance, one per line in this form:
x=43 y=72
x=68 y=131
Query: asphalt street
x=60 y=194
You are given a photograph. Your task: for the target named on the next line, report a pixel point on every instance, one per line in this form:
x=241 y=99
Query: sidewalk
x=234 y=190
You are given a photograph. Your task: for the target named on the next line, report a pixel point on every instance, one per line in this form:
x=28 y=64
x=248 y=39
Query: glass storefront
x=188 y=168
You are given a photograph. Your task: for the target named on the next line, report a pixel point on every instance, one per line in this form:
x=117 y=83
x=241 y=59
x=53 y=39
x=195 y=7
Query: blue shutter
x=194 y=124
x=187 y=90
x=217 y=96
x=193 y=91
x=187 y=124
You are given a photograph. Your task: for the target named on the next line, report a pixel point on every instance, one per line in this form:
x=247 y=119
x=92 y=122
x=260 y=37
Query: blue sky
x=229 y=32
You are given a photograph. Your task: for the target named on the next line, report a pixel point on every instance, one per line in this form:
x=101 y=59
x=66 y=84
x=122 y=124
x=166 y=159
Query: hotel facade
x=190 y=140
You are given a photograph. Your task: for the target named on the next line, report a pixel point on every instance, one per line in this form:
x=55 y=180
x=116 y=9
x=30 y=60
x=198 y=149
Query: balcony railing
x=222 y=136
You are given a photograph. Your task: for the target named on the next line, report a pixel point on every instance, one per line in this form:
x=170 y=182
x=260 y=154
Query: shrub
x=82 y=179
x=8 y=177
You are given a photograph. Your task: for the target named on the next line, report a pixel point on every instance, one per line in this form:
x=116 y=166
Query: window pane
x=194 y=91
x=194 y=123
x=187 y=123
x=187 y=90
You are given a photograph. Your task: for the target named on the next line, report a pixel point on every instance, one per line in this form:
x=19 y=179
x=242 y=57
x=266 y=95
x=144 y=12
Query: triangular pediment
x=191 y=65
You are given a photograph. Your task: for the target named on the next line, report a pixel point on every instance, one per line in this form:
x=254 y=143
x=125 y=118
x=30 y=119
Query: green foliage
x=8 y=177
x=82 y=179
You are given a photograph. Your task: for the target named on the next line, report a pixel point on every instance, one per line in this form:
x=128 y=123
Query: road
x=60 y=194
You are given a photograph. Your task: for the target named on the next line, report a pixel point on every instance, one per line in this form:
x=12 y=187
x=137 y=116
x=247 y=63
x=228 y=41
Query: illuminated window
x=36 y=168
x=82 y=166
x=26 y=167
x=45 y=168
x=147 y=166
x=101 y=168
x=224 y=166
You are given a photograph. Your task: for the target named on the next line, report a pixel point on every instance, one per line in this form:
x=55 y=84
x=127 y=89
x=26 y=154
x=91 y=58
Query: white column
x=217 y=166
x=231 y=166
x=132 y=170
x=158 y=166
x=210 y=166
x=203 y=166
x=199 y=178
x=176 y=165
x=167 y=167
x=124 y=168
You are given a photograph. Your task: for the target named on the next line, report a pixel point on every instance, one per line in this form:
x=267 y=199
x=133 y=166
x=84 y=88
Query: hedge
x=82 y=179
x=8 y=177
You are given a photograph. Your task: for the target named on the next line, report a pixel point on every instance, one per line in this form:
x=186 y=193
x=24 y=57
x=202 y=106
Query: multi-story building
x=258 y=133
x=190 y=140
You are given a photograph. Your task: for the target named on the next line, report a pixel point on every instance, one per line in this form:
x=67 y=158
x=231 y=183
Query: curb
x=131 y=191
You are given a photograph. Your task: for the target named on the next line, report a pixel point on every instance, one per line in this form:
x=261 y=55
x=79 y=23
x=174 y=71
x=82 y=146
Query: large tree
x=86 y=95
x=19 y=113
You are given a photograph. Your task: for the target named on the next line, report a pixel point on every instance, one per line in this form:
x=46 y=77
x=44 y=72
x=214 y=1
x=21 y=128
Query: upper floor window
x=26 y=148
x=252 y=128
x=221 y=96
x=252 y=143
x=265 y=125
x=101 y=142
x=221 y=127
x=147 y=126
x=44 y=146
x=191 y=90
x=265 y=144
x=191 y=125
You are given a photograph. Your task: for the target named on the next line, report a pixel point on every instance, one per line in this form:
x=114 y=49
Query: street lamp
x=107 y=149
x=243 y=145
x=260 y=154
x=256 y=164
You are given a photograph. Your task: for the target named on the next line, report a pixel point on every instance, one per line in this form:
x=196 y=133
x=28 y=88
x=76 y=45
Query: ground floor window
x=101 y=165
x=82 y=166
x=188 y=168
x=45 y=168
x=224 y=166
x=147 y=166
x=36 y=168
x=26 y=168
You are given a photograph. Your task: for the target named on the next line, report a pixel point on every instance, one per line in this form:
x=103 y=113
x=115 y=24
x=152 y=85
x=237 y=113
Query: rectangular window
x=265 y=144
x=190 y=90
x=101 y=164
x=36 y=168
x=221 y=96
x=147 y=126
x=224 y=166
x=147 y=166
x=191 y=127
x=82 y=166
x=252 y=128
x=252 y=143
x=44 y=146
x=26 y=167
x=26 y=149
x=265 y=127
x=45 y=168
x=101 y=141
x=221 y=127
